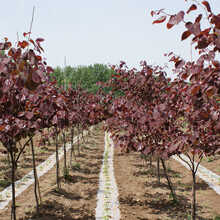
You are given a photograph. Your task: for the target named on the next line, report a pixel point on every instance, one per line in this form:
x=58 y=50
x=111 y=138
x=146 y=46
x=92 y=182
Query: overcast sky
x=98 y=31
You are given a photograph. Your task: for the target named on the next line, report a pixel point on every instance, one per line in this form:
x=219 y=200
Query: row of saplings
x=30 y=102
x=163 y=117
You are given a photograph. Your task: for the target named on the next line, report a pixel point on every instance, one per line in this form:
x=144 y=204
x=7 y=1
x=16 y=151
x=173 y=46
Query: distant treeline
x=85 y=76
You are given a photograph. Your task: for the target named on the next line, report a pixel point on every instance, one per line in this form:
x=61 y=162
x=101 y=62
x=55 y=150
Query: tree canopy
x=85 y=76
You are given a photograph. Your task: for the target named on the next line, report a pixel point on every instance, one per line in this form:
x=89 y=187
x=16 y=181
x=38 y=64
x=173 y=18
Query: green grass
x=186 y=186
x=176 y=175
x=169 y=168
x=185 y=215
x=77 y=165
x=209 y=159
x=4 y=183
x=216 y=216
x=179 y=183
x=66 y=174
x=17 y=204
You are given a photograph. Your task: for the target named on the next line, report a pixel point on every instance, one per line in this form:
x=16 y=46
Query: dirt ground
x=142 y=198
x=212 y=163
x=77 y=199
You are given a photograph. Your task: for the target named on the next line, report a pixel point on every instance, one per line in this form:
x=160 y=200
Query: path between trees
x=107 y=204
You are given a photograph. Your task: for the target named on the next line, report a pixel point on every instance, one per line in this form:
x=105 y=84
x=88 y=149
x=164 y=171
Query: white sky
x=98 y=31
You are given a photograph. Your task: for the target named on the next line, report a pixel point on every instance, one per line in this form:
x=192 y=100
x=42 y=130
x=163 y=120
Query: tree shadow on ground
x=79 y=178
x=179 y=210
x=154 y=185
x=90 y=148
x=159 y=204
x=64 y=194
x=51 y=210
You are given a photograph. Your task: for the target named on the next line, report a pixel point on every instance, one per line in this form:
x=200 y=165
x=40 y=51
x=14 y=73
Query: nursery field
x=124 y=144
x=76 y=199
x=140 y=195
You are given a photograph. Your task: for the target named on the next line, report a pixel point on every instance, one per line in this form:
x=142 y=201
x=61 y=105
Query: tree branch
x=185 y=161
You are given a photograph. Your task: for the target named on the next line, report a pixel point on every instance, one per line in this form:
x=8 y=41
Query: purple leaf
x=193 y=28
x=175 y=19
x=35 y=77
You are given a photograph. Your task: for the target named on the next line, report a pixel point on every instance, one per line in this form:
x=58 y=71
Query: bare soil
x=77 y=199
x=141 y=197
x=212 y=163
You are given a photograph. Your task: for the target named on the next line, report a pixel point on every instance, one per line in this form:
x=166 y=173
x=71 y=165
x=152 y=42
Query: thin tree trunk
x=48 y=136
x=57 y=162
x=64 y=150
x=83 y=137
x=158 y=171
x=169 y=181
x=150 y=161
x=9 y=162
x=78 y=133
x=87 y=137
x=193 y=169
x=193 y=204
x=38 y=186
x=13 y=168
x=84 y=143
x=145 y=158
x=24 y=153
x=72 y=148
x=35 y=175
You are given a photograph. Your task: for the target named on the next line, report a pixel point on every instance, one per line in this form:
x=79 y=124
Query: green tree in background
x=86 y=76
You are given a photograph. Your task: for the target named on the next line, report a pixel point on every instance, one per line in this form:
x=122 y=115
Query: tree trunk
x=84 y=143
x=193 y=203
x=83 y=137
x=72 y=148
x=78 y=133
x=38 y=186
x=48 y=135
x=13 y=168
x=64 y=151
x=169 y=181
x=145 y=158
x=57 y=163
x=158 y=171
x=150 y=161
x=9 y=162
x=35 y=175
x=87 y=137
